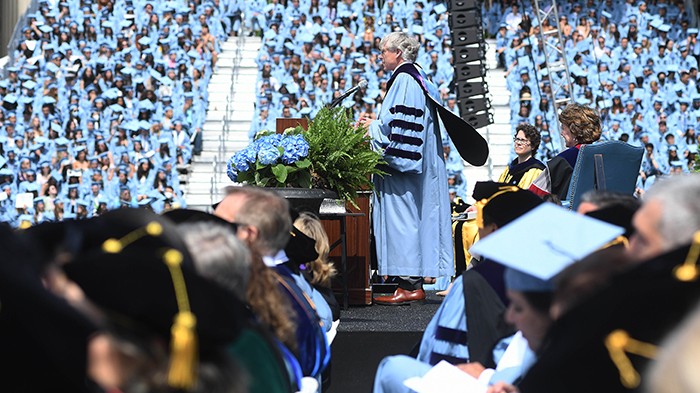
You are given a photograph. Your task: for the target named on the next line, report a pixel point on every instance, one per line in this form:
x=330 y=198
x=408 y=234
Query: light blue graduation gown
x=411 y=207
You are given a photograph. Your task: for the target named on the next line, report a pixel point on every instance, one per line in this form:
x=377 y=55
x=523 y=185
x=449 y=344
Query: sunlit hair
x=583 y=122
x=408 y=45
x=321 y=268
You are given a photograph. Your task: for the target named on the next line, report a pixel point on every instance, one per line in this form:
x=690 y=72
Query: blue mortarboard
x=556 y=238
x=45 y=28
x=10 y=99
x=440 y=9
x=692 y=30
x=30 y=84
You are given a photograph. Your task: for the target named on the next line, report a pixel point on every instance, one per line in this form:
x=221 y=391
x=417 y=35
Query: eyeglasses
x=520 y=141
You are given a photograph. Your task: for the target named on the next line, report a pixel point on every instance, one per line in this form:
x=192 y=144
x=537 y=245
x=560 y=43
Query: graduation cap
x=502 y=202
x=148 y=287
x=545 y=240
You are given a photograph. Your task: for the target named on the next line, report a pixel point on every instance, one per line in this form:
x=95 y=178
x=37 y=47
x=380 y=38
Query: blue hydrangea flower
x=295 y=148
x=240 y=161
x=268 y=155
x=231 y=169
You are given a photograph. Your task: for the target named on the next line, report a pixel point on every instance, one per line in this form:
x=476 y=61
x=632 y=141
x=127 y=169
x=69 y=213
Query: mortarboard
x=545 y=240
x=131 y=272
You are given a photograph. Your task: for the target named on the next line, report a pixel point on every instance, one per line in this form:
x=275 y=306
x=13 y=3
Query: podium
x=350 y=231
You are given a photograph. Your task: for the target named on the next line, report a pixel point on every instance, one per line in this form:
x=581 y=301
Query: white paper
x=24 y=200
x=445 y=378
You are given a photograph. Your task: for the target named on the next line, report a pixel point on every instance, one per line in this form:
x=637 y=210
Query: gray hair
x=679 y=197
x=398 y=40
x=218 y=255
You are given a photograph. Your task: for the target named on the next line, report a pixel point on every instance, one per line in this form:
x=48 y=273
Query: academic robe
x=556 y=177
x=411 y=207
x=646 y=302
x=522 y=175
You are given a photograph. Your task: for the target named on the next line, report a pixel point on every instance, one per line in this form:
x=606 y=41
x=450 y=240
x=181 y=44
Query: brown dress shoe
x=401 y=297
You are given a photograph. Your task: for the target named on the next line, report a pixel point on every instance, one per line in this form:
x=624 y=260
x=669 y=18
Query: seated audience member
x=630 y=306
x=445 y=335
x=264 y=224
x=523 y=170
x=580 y=125
x=219 y=256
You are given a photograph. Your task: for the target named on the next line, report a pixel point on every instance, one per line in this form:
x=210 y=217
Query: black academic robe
x=647 y=302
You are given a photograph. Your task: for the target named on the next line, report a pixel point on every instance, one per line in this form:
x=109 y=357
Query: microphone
x=348 y=93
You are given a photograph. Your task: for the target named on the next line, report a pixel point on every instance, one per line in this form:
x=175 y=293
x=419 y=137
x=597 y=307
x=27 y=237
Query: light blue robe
x=394 y=370
x=411 y=207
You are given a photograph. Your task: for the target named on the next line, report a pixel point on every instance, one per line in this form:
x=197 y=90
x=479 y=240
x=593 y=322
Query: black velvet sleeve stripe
x=410 y=155
x=406 y=110
x=451 y=335
x=435 y=358
x=407 y=125
x=409 y=140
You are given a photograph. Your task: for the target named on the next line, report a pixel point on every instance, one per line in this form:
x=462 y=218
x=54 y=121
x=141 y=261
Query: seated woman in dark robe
x=580 y=125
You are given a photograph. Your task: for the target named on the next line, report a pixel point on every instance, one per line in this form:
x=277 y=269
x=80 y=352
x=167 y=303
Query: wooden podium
x=357 y=244
x=357 y=250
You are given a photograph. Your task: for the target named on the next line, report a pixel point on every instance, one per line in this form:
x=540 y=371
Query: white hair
x=679 y=197
x=218 y=255
x=398 y=40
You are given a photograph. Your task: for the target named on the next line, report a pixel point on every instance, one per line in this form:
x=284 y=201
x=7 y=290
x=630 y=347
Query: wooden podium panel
x=283 y=124
x=358 y=252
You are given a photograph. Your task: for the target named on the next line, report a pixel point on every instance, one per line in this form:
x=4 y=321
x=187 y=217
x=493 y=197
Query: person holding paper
x=530 y=300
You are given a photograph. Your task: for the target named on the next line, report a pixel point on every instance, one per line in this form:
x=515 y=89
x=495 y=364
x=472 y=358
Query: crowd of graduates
x=101 y=103
x=314 y=50
x=635 y=61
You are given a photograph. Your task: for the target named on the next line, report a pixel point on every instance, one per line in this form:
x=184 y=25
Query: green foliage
x=341 y=157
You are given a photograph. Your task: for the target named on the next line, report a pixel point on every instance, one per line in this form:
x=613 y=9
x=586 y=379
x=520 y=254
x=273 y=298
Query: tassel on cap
x=182 y=373
x=619 y=343
x=688 y=271
x=183 y=352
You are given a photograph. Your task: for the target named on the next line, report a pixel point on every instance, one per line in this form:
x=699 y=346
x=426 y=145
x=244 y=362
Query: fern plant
x=341 y=157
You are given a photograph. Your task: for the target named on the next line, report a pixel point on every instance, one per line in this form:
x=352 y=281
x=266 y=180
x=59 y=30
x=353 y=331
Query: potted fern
x=331 y=155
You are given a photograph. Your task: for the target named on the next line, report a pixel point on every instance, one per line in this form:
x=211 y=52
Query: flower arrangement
x=332 y=154
x=273 y=160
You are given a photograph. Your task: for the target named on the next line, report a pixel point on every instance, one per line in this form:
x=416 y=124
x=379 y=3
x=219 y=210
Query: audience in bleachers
x=102 y=103
x=636 y=61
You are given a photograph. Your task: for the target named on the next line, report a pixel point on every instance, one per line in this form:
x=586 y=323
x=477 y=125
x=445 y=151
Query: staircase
x=225 y=131
x=499 y=134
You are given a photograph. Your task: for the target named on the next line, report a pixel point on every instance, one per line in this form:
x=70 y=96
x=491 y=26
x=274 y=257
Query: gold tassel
x=183 y=352
x=184 y=362
x=688 y=271
x=618 y=343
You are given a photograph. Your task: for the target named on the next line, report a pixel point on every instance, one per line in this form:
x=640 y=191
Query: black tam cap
x=502 y=203
x=133 y=266
x=619 y=215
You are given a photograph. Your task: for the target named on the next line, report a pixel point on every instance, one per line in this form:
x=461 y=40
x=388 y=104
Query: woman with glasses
x=523 y=170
